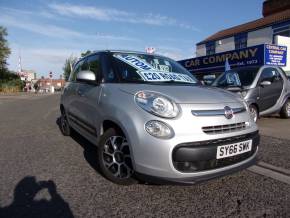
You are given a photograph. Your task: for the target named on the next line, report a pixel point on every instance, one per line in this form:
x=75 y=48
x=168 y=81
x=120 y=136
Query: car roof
x=116 y=51
x=122 y=51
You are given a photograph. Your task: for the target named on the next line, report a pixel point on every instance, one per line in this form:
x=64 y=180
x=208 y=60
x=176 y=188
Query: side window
x=268 y=74
x=76 y=69
x=93 y=64
x=277 y=76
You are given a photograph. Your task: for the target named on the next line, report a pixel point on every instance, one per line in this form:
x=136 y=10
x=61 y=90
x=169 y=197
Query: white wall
x=200 y=50
x=260 y=36
x=282 y=40
x=226 y=44
x=257 y=37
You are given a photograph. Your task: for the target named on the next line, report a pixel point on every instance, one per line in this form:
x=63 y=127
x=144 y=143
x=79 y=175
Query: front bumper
x=200 y=178
x=203 y=163
x=200 y=156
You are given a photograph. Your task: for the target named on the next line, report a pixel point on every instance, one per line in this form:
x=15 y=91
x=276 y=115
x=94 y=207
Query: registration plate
x=233 y=149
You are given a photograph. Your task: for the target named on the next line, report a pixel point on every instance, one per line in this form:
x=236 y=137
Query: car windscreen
x=237 y=77
x=147 y=68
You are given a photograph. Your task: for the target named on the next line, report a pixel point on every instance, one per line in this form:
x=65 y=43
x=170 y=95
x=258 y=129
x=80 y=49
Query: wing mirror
x=265 y=83
x=86 y=75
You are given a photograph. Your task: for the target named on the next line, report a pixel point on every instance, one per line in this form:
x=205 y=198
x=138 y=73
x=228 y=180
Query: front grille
x=206 y=158
x=198 y=166
x=220 y=129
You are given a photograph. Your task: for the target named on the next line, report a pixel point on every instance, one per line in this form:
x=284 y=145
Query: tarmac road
x=44 y=174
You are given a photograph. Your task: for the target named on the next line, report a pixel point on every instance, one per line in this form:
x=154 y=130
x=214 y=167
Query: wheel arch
x=107 y=124
x=256 y=105
x=110 y=123
x=61 y=108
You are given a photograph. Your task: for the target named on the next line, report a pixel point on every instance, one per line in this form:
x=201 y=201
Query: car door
x=70 y=95
x=269 y=94
x=89 y=93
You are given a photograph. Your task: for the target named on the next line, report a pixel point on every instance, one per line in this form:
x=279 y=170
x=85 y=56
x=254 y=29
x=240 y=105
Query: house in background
x=272 y=28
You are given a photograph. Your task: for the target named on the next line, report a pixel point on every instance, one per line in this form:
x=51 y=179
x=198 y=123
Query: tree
x=68 y=65
x=4 y=53
x=86 y=53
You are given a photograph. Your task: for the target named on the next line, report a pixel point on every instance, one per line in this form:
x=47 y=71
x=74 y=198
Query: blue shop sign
x=275 y=55
x=251 y=56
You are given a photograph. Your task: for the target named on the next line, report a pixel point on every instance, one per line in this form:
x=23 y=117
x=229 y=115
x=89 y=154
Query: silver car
x=265 y=88
x=152 y=120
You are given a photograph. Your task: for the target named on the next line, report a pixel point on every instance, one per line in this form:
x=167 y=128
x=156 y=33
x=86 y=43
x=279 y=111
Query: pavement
x=44 y=174
x=274 y=126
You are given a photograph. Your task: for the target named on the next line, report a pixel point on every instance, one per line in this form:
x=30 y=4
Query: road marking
x=270 y=173
x=272 y=167
x=49 y=112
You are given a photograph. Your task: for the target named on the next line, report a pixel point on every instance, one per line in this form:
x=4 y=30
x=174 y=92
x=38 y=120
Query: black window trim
x=238 y=40
x=73 y=80
x=99 y=76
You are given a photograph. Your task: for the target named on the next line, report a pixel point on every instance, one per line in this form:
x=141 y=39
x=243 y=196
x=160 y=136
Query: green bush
x=14 y=85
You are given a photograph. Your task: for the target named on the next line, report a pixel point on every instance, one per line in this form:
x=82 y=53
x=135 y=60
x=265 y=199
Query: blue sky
x=48 y=32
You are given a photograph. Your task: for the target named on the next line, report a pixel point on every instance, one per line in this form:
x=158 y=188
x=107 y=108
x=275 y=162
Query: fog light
x=159 y=129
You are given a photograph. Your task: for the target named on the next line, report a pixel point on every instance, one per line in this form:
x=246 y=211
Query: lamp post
x=50 y=76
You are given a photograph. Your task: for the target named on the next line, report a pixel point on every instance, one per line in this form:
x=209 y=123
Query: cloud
x=56 y=31
x=47 y=30
x=175 y=53
x=111 y=14
x=28 y=23
x=42 y=60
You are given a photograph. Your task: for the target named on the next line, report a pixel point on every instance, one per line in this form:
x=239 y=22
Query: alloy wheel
x=288 y=108
x=63 y=123
x=116 y=157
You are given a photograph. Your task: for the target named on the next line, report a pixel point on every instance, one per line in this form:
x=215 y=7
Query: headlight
x=246 y=105
x=159 y=129
x=156 y=104
x=244 y=93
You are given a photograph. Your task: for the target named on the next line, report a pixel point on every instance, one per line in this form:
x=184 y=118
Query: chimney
x=274 y=6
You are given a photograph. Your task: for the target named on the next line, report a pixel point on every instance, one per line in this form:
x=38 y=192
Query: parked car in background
x=266 y=89
x=150 y=118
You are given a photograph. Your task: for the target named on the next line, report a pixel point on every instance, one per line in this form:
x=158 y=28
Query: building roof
x=256 y=24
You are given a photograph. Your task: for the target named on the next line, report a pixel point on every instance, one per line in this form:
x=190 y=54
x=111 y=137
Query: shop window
x=210 y=48
x=241 y=40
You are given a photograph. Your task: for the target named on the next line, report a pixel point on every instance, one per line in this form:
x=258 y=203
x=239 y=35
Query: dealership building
x=262 y=41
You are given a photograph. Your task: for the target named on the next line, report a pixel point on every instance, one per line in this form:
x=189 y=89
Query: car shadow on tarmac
x=26 y=202
x=90 y=150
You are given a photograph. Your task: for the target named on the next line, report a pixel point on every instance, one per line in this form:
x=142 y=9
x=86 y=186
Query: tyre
x=285 y=110
x=114 y=158
x=64 y=125
x=254 y=113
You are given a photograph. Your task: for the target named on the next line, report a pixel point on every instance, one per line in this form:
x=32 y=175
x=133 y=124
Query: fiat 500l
x=151 y=119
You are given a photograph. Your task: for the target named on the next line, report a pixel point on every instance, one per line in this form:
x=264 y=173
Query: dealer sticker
x=134 y=62
x=165 y=76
